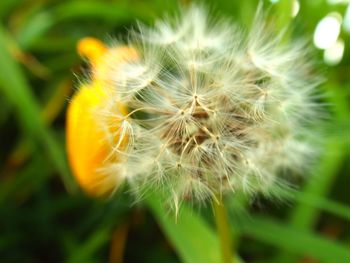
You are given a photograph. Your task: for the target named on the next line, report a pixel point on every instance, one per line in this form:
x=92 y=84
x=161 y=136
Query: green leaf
x=192 y=238
x=305 y=214
x=41 y=22
x=85 y=251
x=6 y=6
x=23 y=182
x=17 y=91
x=314 y=201
x=294 y=240
x=320 y=184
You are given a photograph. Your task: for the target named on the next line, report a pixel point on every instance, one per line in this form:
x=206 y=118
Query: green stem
x=223 y=231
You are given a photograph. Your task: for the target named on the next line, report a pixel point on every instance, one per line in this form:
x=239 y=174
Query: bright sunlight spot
x=335 y=2
x=327 y=31
x=334 y=54
x=295 y=8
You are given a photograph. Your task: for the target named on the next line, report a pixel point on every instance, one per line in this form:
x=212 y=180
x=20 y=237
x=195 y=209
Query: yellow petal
x=89 y=146
x=107 y=65
x=104 y=61
x=87 y=149
x=91 y=48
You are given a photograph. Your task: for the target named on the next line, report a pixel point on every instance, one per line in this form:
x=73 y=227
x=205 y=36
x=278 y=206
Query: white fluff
x=212 y=109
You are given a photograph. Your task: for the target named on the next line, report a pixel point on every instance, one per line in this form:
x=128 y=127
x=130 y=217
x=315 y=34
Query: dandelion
x=196 y=108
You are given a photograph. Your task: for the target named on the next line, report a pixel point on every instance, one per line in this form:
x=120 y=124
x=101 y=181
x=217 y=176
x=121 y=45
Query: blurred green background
x=44 y=217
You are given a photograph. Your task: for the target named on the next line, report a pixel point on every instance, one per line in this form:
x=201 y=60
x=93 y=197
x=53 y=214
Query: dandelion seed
x=207 y=108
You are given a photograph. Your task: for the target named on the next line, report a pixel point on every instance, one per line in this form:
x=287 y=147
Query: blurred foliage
x=45 y=218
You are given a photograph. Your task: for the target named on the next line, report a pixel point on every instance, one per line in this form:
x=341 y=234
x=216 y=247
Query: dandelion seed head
x=211 y=109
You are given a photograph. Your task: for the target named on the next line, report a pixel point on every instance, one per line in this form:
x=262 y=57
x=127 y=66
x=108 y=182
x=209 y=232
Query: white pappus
x=212 y=109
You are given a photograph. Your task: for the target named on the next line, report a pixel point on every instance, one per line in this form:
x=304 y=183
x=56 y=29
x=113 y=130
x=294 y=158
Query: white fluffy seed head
x=212 y=109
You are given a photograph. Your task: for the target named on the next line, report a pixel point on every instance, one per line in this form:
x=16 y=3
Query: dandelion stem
x=223 y=231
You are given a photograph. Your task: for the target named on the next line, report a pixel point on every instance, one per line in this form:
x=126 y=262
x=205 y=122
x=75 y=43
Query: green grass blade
x=17 y=91
x=294 y=240
x=41 y=22
x=85 y=251
x=6 y=6
x=192 y=238
x=304 y=216
x=327 y=205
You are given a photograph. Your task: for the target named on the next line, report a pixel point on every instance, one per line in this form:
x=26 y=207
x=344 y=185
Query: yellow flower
x=87 y=145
